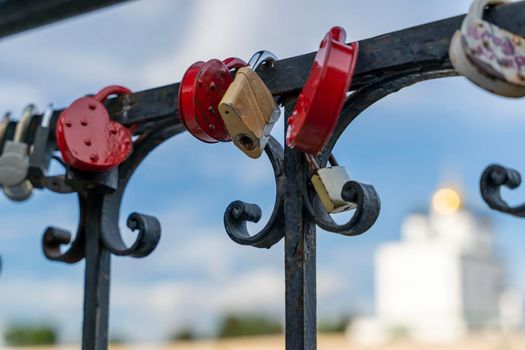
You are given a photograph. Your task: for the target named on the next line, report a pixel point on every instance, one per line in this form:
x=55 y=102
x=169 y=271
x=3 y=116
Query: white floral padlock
x=491 y=57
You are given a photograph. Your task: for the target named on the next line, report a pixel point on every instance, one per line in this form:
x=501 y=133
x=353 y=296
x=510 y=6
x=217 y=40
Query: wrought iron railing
x=385 y=65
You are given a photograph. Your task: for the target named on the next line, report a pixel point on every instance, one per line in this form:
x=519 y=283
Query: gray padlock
x=14 y=162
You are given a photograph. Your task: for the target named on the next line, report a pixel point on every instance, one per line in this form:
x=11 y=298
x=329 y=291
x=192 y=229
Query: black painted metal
x=386 y=64
x=98 y=237
x=20 y=15
x=299 y=250
x=492 y=179
x=238 y=212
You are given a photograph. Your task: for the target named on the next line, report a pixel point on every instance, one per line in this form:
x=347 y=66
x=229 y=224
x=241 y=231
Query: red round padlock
x=187 y=102
x=201 y=89
x=323 y=95
x=86 y=136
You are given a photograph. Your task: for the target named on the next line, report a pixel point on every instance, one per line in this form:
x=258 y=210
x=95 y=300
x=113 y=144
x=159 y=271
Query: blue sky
x=407 y=145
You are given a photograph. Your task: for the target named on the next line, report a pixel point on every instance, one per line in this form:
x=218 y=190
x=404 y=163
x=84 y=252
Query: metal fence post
x=96 y=288
x=299 y=243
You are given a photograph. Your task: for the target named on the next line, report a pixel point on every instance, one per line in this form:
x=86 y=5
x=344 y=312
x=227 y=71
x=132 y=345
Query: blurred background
x=437 y=271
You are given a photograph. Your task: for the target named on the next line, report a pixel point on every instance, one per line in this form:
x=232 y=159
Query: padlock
x=249 y=112
x=14 y=162
x=86 y=136
x=41 y=151
x=248 y=108
x=323 y=95
x=489 y=56
x=6 y=130
x=201 y=89
x=328 y=184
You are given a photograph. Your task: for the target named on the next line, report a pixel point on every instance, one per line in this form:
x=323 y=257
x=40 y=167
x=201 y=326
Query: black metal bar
x=20 y=15
x=299 y=248
x=408 y=51
x=96 y=284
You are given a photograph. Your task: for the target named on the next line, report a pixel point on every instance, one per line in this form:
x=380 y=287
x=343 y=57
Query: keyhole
x=246 y=142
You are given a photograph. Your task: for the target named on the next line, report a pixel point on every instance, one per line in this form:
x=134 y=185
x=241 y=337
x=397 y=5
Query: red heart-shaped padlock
x=321 y=100
x=201 y=89
x=88 y=139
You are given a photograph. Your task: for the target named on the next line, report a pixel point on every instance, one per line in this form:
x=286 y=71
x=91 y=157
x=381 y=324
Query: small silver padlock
x=489 y=56
x=14 y=162
x=328 y=184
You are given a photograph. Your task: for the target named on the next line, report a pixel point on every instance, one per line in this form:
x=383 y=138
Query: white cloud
x=15 y=94
x=211 y=35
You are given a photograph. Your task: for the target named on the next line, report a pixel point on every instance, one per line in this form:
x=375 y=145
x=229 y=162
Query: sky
x=407 y=145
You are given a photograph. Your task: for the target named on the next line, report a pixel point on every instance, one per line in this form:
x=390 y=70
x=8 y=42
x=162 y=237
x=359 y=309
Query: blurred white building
x=441 y=281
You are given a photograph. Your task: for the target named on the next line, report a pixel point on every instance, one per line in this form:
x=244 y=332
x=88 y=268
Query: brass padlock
x=489 y=56
x=328 y=184
x=249 y=112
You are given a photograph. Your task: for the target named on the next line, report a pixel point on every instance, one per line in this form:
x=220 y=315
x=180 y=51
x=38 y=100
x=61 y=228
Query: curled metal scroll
x=238 y=212
x=367 y=209
x=368 y=204
x=493 y=178
x=365 y=196
x=54 y=238
x=148 y=227
x=102 y=211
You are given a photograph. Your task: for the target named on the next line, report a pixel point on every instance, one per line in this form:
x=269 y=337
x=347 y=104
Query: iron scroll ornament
x=98 y=236
x=365 y=196
x=492 y=180
x=238 y=212
x=100 y=212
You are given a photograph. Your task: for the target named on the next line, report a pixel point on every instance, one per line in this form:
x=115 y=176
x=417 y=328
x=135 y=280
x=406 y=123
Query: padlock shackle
x=338 y=34
x=310 y=159
x=260 y=57
x=23 y=123
x=234 y=63
x=477 y=8
x=103 y=94
x=3 y=124
x=332 y=160
x=46 y=117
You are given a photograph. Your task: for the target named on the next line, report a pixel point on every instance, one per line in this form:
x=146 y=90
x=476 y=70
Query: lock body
x=201 y=89
x=249 y=112
x=88 y=139
x=321 y=100
x=328 y=184
x=14 y=163
x=489 y=56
